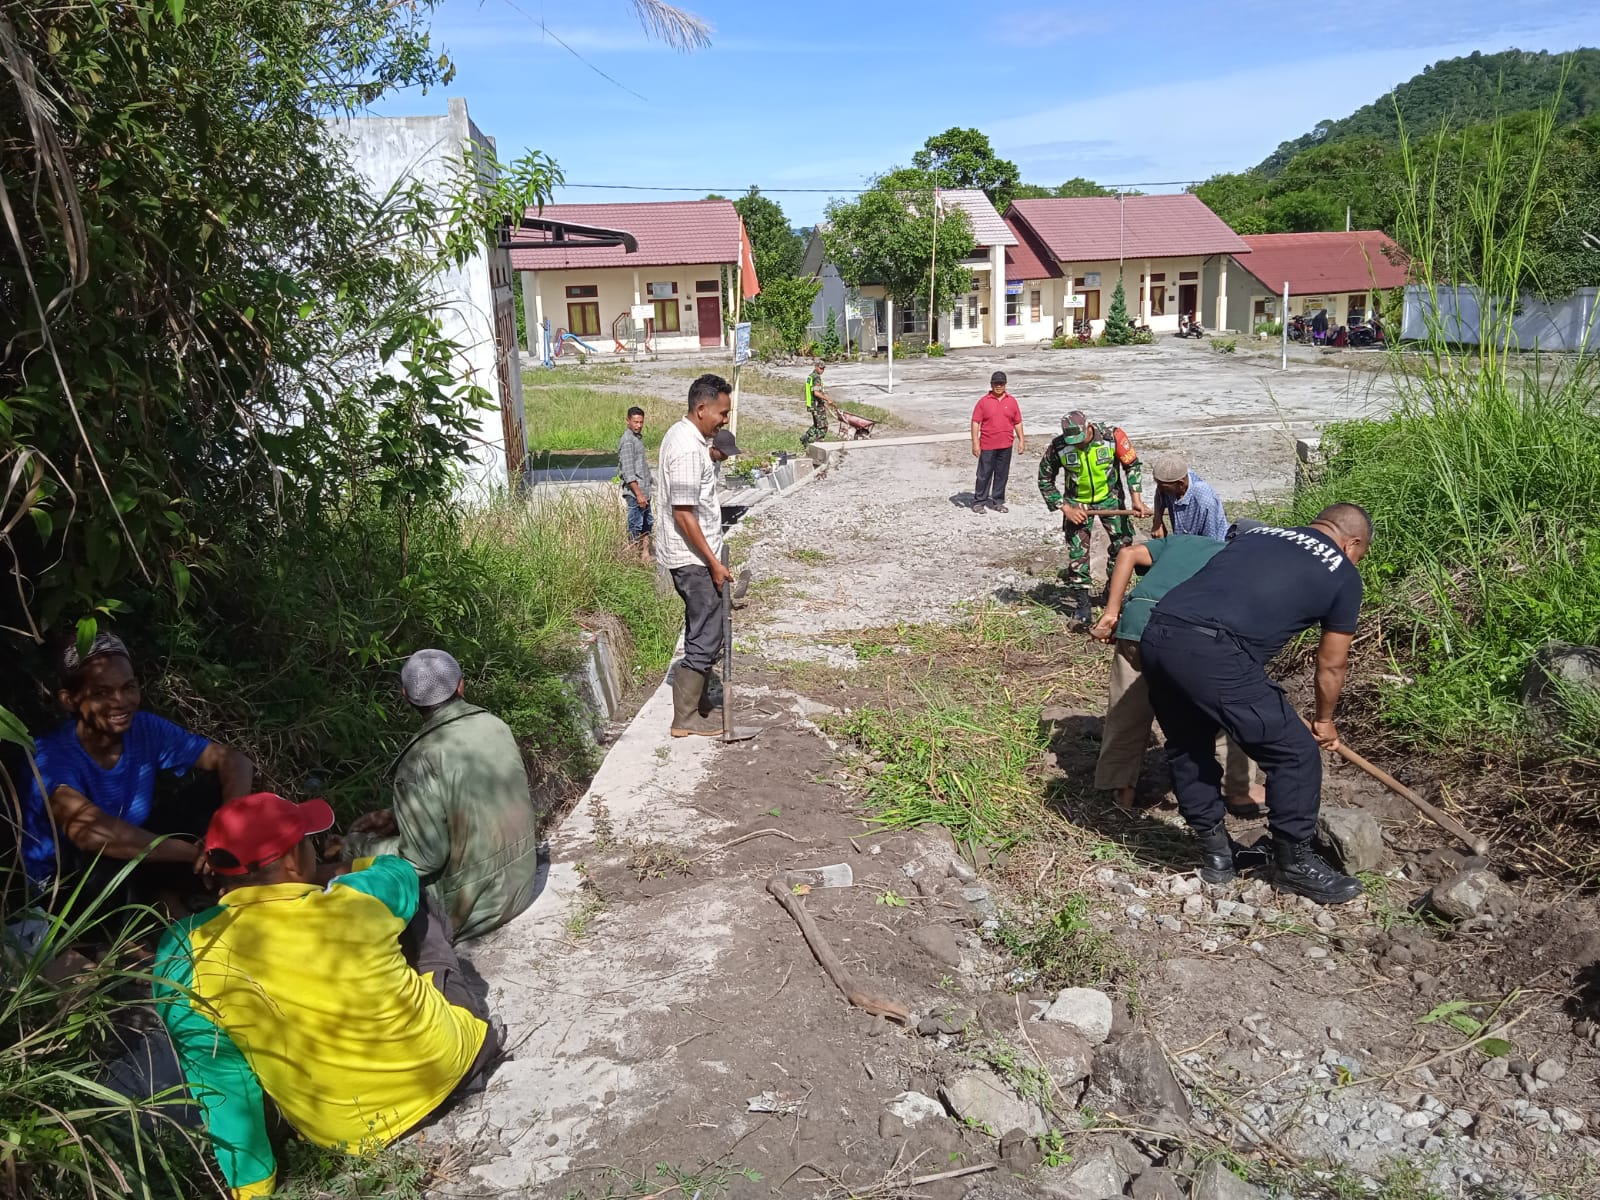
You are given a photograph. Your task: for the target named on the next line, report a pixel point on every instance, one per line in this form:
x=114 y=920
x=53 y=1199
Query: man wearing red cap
x=300 y=992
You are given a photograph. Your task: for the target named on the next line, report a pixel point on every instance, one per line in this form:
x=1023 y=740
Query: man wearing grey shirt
x=689 y=546
x=633 y=465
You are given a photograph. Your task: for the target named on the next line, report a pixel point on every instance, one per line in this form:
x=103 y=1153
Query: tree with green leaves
x=775 y=244
x=1118 y=329
x=1075 y=187
x=786 y=305
x=963 y=158
x=894 y=234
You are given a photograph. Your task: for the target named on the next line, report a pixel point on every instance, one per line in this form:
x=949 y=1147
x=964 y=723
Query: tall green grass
x=64 y=1134
x=1484 y=485
x=568 y=418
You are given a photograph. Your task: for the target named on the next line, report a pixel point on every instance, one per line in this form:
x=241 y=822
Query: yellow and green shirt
x=302 y=992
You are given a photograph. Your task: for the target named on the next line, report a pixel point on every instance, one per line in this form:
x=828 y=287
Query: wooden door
x=708 y=309
x=1189 y=300
x=1091 y=305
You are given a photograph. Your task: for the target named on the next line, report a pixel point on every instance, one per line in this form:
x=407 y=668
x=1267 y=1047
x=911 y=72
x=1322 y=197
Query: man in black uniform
x=1205 y=652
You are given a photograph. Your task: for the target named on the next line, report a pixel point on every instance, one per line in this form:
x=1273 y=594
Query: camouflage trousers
x=1118 y=529
x=819 y=426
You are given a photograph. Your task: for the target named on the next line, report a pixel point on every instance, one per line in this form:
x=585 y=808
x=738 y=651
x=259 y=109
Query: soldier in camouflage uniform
x=817 y=406
x=1091 y=458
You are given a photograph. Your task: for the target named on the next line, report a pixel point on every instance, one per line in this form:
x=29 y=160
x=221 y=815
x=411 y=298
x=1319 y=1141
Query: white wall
x=1056 y=293
x=545 y=296
x=387 y=151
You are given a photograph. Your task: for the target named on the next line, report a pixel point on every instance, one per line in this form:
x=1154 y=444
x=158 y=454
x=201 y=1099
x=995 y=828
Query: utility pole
x=1347 y=218
x=1285 y=323
x=933 y=265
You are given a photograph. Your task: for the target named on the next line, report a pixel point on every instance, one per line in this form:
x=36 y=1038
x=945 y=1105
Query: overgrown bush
x=1268 y=328
x=1224 y=345
x=1484 y=485
x=936 y=350
x=829 y=345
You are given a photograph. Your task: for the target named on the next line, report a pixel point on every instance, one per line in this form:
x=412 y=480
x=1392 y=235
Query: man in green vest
x=817 y=406
x=1092 y=460
x=463 y=814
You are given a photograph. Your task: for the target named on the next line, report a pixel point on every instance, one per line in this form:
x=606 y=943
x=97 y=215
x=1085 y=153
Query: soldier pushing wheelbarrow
x=819 y=404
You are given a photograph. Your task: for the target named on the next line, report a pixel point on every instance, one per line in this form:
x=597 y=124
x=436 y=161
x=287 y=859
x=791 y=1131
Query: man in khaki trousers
x=1165 y=563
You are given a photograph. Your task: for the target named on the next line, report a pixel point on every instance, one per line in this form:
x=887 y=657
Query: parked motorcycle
x=1299 y=328
x=1083 y=330
x=1367 y=333
x=1189 y=327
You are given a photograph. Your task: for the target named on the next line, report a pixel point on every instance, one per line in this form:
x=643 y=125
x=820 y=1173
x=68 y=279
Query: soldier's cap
x=1074 y=432
x=724 y=444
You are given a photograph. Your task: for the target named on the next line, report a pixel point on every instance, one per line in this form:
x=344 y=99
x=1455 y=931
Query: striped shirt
x=688 y=477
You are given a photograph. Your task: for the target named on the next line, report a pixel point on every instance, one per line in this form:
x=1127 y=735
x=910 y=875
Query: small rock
x=975 y=895
x=982 y=1100
x=1156 y=1183
x=1415 y=1120
x=1460 y=1118
x=1085 y=1008
x=1319 y=1119
x=1093 y=1175
x=1519 y=1066
x=1325 y=920
x=1317 y=952
x=890 y=1126
x=1535 y=1116
x=1226 y=908
x=1470 y=893
x=1185 y=885
x=1066 y=1054
x=954 y=1023
x=1569 y=1121
x=1136 y=1077
x=1216 y=1182
x=959 y=869
x=1170 y=923
x=1495 y=1068
x=938 y=942
x=1019 y=1151
x=1137 y=912
x=914 y=1108
x=1193 y=906
x=1432 y=1145
x=1352 y=837
x=1550 y=1071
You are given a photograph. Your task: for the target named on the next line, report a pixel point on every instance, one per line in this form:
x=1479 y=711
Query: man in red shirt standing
x=996 y=434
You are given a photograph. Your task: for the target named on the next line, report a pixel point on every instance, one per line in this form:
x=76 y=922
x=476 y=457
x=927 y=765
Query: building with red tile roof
x=1159 y=246
x=1333 y=271
x=669 y=293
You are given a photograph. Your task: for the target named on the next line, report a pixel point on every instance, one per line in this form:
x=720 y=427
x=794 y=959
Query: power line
x=551 y=33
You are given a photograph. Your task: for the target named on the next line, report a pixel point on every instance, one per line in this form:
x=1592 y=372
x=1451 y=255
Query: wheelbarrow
x=852 y=426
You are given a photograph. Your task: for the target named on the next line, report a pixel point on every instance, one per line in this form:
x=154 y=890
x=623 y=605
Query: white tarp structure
x=1566 y=325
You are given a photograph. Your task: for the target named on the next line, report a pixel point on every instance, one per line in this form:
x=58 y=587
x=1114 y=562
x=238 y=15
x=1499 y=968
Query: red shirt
x=996 y=419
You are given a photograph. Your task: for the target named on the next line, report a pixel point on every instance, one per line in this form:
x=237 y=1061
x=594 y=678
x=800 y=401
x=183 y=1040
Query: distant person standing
x=689 y=546
x=1186 y=501
x=633 y=465
x=1090 y=461
x=996 y=433
x=818 y=403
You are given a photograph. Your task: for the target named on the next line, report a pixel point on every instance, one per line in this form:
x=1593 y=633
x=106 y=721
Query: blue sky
x=821 y=96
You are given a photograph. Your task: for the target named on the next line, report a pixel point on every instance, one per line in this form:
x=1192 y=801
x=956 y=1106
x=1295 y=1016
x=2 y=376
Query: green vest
x=811 y=387
x=1097 y=470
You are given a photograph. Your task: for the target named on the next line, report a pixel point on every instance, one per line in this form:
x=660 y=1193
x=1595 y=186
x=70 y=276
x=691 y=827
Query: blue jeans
x=640 y=520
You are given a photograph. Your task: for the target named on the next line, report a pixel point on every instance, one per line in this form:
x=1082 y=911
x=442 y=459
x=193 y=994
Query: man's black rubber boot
x=1216 y=854
x=1300 y=869
x=1084 y=613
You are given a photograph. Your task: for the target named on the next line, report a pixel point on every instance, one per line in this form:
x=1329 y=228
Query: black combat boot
x=1301 y=869
x=1083 y=614
x=1216 y=854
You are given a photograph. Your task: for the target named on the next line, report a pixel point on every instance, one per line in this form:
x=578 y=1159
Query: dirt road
x=675 y=1036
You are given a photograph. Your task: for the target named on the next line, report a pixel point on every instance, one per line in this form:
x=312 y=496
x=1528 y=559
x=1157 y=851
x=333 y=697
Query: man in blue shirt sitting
x=99 y=769
x=1187 y=501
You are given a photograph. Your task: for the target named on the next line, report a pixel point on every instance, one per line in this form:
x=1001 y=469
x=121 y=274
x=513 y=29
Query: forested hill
x=1462 y=91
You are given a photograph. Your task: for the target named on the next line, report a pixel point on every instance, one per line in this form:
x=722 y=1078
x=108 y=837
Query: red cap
x=254 y=830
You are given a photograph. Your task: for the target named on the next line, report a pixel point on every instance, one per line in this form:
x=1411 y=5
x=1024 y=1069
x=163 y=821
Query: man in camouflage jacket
x=1093 y=459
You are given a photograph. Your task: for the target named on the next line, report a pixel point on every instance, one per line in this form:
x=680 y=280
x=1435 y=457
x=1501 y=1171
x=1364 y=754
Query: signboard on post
x=741 y=343
x=642 y=312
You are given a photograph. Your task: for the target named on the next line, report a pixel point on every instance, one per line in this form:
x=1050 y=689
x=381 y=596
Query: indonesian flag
x=749 y=284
